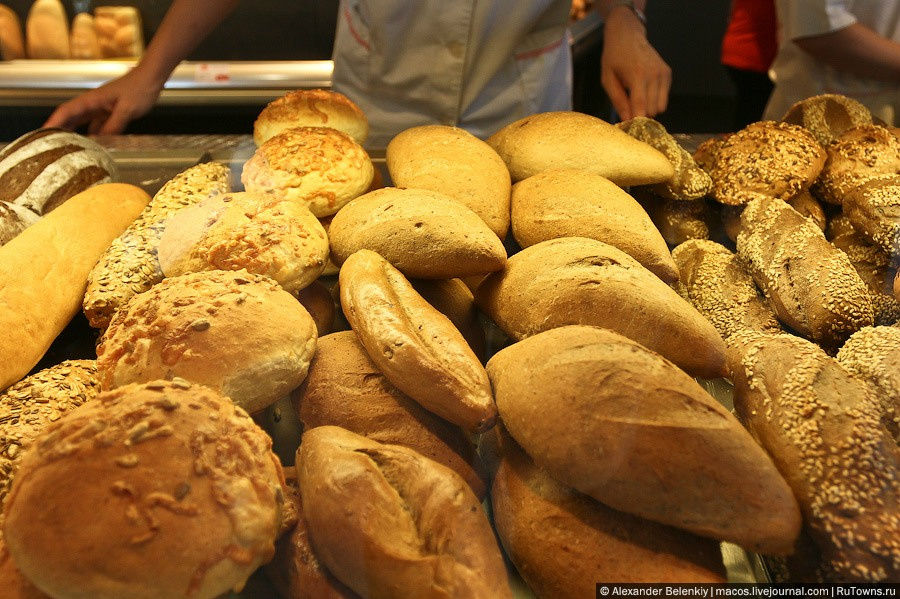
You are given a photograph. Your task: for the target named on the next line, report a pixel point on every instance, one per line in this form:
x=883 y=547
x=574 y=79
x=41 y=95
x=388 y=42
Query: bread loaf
x=453 y=299
x=158 y=490
x=873 y=208
x=43 y=271
x=119 y=31
x=130 y=265
x=563 y=542
x=47 y=30
x=454 y=162
x=808 y=206
x=84 y=44
x=821 y=427
x=388 y=522
x=616 y=421
x=827 y=116
x=574 y=280
x=14 y=585
x=872 y=354
x=677 y=221
x=317 y=300
x=416 y=347
x=858 y=154
x=810 y=284
x=706 y=152
x=555 y=140
x=311 y=108
x=12 y=44
x=572 y=203
x=14 y=219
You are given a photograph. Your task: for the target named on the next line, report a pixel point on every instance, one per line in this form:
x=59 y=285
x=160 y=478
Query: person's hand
x=635 y=77
x=110 y=107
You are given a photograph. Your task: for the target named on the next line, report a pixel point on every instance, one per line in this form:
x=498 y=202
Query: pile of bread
x=145 y=473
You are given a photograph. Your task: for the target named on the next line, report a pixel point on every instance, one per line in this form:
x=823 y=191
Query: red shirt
x=751 y=39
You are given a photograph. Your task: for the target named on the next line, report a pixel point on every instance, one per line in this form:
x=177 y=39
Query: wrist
x=624 y=12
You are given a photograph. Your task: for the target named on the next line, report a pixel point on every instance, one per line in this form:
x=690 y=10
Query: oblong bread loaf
x=822 y=427
x=416 y=347
x=563 y=542
x=453 y=299
x=874 y=209
x=872 y=354
x=389 y=522
x=641 y=436
x=574 y=280
x=454 y=162
x=554 y=140
x=573 y=203
x=424 y=234
x=44 y=270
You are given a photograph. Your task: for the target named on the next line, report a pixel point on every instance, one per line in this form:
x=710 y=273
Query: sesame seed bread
x=130 y=265
x=873 y=208
x=563 y=542
x=318 y=166
x=320 y=304
x=822 y=428
x=344 y=388
x=424 y=234
x=808 y=206
x=180 y=488
x=44 y=270
x=765 y=159
x=810 y=284
x=454 y=162
x=311 y=108
x=713 y=279
x=555 y=140
x=573 y=203
x=235 y=332
x=857 y=155
x=705 y=154
x=872 y=354
x=417 y=348
x=690 y=182
x=389 y=522
x=262 y=233
x=827 y=116
x=574 y=280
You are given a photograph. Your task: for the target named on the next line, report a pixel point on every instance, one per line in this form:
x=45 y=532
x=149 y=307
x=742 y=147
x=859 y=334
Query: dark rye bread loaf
x=14 y=219
x=44 y=168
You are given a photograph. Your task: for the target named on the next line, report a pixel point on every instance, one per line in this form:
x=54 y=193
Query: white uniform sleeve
x=805 y=18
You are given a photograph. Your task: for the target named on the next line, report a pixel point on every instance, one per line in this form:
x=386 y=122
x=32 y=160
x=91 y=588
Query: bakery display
x=311 y=108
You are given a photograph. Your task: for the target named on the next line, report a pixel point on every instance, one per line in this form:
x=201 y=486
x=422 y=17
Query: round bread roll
x=311 y=108
x=857 y=155
x=318 y=166
x=873 y=355
x=766 y=159
x=238 y=333
x=424 y=234
x=14 y=219
x=873 y=208
x=705 y=154
x=573 y=203
x=159 y=490
x=555 y=140
x=827 y=116
x=262 y=233
x=320 y=304
x=454 y=162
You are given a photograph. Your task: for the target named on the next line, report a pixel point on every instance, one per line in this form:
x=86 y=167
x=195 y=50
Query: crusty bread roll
x=311 y=108
x=47 y=30
x=454 y=299
x=713 y=279
x=677 y=221
x=454 y=162
x=235 y=332
x=318 y=301
x=620 y=423
x=827 y=116
x=873 y=208
x=821 y=427
x=262 y=233
x=319 y=166
x=765 y=159
x=416 y=347
x=180 y=488
x=808 y=206
x=12 y=43
x=563 y=542
x=119 y=31
x=424 y=234
x=14 y=585
x=130 y=265
x=573 y=203
x=873 y=355
x=43 y=271
x=706 y=152
x=344 y=388
x=389 y=522
x=690 y=181
x=14 y=219
x=554 y=140
x=810 y=284
x=574 y=280
x=857 y=155
x=84 y=44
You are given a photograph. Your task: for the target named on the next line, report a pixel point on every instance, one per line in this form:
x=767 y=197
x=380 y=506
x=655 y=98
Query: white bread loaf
x=47 y=30
x=12 y=44
x=84 y=44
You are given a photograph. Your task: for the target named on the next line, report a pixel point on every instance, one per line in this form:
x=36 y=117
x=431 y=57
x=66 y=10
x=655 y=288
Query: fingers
x=68 y=116
x=617 y=93
x=116 y=123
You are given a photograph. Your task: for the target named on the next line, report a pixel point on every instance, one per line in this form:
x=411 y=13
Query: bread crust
x=311 y=108
x=827 y=116
x=872 y=355
x=873 y=208
x=857 y=155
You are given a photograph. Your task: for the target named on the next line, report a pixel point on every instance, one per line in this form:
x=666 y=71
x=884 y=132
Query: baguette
x=43 y=271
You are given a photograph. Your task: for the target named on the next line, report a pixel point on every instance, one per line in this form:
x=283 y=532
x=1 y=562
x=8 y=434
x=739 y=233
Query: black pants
x=753 y=91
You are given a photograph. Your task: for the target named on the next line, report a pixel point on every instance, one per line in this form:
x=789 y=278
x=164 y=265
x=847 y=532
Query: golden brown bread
x=810 y=284
x=453 y=299
x=573 y=203
x=310 y=108
x=12 y=42
x=821 y=427
x=44 y=271
x=827 y=116
x=563 y=542
x=872 y=354
x=181 y=490
x=555 y=140
x=344 y=388
x=388 y=522
x=317 y=300
x=858 y=154
x=678 y=221
x=574 y=280
x=808 y=206
x=424 y=234
x=620 y=423
x=416 y=347
x=14 y=585
x=454 y=162
x=873 y=208
x=705 y=154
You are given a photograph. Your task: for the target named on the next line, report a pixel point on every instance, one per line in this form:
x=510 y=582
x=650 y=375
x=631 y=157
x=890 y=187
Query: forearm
x=856 y=49
x=615 y=13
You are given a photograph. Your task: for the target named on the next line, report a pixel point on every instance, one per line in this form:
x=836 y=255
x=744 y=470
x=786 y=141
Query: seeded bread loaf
x=872 y=354
x=827 y=116
x=130 y=265
x=873 y=208
x=310 y=108
x=858 y=154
